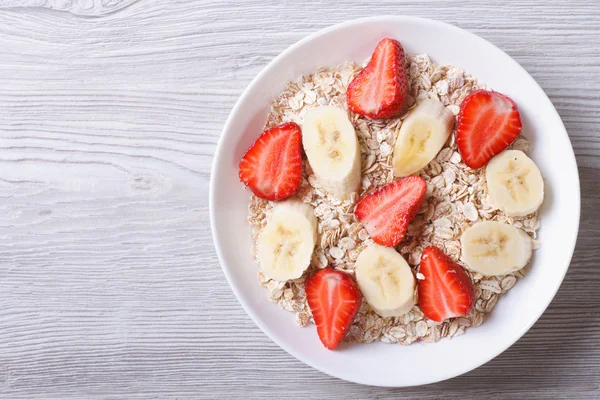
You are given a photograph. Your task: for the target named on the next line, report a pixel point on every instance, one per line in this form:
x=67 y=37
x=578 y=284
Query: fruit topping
x=332 y=150
x=494 y=248
x=286 y=244
x=386 y=280
x=514 y=183
x=272 y=166
x=487 y=123
x=334 y=300
x=422 y=135
x=387 y=212
x=446 y=290
x=380 y=89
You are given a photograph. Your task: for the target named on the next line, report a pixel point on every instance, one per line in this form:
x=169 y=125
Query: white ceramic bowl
x=378 y=363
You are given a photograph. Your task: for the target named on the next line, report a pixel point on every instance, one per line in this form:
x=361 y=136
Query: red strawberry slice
x=447 y=290
x=487 y=123
x=334 y=299
x=380 y=89
x=272 y=166
x=387 y=212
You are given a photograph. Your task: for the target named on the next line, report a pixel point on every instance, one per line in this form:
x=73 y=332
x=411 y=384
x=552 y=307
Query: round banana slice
x=332 y=150
x=422 y=135
x=385 y=280
x=514 y=183
x=494 y=248
x=286 y=244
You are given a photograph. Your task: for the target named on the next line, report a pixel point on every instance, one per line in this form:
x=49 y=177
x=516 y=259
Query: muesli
x=390 y=210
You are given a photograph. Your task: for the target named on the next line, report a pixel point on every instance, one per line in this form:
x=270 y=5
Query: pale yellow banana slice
x=422 y=135
x=494 y=248
x=332 y=150
x=385 y=280
x=286 y=244
x=515 y=184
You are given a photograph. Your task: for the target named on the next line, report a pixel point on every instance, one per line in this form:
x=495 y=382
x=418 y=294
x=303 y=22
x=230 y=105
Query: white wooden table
x=109 y=284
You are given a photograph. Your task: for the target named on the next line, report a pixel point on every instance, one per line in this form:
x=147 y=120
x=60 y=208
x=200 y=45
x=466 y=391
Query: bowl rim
x=220 y=149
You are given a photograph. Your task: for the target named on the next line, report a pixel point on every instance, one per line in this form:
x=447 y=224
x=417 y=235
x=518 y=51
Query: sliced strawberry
x=387 y=212
x=447 y=290
x=334 y=299
x=380 y=89
x=272 y=166
x=487 y=123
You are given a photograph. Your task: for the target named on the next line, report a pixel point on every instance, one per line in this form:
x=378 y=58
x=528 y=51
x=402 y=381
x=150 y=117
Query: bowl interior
x=378 y=363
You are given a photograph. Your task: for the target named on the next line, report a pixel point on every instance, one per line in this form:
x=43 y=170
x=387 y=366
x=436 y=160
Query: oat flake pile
x=456 y=198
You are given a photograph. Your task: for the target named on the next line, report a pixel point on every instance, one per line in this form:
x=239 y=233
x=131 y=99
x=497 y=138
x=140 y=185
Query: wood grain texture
x=109 y=284
x=89 y=8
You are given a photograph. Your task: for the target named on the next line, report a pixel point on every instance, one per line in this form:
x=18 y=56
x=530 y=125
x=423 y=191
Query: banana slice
x=386 y=280
x=514 y=183
x=332 y=149
x=422 y=135
x=494 y=248
x=286 y=244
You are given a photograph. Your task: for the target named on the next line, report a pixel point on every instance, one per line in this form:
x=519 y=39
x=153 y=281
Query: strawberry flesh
x=380 y=89
x=387 y=212
x=447 y=290
x=272 y=166
x=334 y=299
x=487 y=123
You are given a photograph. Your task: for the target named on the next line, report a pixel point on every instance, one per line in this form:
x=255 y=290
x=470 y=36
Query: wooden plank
x=109 y=283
